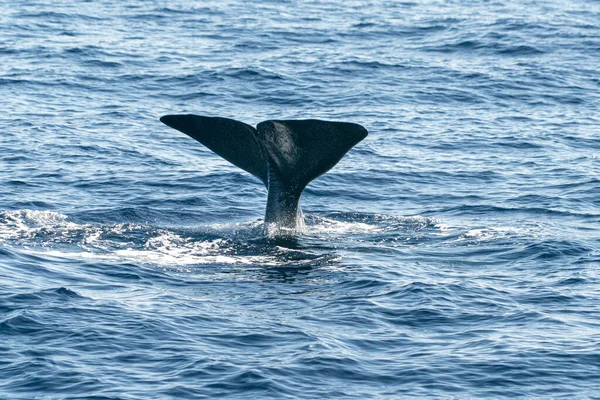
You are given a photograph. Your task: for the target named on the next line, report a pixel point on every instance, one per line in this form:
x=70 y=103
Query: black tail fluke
x=233 y=140
x=284 y=154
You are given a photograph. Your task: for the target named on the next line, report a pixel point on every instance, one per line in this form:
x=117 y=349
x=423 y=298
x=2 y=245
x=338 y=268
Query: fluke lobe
x=284 y=154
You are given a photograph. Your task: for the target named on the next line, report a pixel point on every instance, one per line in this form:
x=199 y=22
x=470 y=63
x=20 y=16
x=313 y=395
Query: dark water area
x=454 y=253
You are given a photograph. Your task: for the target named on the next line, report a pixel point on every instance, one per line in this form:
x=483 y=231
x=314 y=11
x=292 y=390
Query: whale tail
x=286 y=155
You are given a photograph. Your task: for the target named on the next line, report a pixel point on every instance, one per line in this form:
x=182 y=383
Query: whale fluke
x=233 y=140
x=286 y=155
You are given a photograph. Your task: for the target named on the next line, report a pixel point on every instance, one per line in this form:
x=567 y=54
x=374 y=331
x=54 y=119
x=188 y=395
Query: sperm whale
x=286 y=155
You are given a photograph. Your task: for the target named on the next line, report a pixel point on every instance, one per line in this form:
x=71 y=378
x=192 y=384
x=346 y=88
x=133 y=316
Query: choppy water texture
x=454 y=253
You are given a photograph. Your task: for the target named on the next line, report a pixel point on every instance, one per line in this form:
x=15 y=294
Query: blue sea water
x=454 y=253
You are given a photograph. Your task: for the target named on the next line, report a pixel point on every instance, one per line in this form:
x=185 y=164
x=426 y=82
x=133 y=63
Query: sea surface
x=454 y=253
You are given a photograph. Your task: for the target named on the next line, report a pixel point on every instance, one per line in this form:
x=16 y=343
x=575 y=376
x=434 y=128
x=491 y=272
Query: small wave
x=486 y=47
x=360 y=223
x=480 y=209
x=488 y=234
x=41 y=298
x=57 y=16
x=101 y=63
x=21 y=322
x=249 y=73
x=522 y=50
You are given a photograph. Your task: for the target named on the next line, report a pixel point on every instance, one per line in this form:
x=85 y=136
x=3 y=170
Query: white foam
x=41 y=232
x=328 y=225
x=374 y=224
x=499 y=232
x=166 y=255
x=52 y=233
x=23 y=223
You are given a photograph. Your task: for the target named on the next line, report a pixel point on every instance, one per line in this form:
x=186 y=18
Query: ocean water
x=454 y=253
